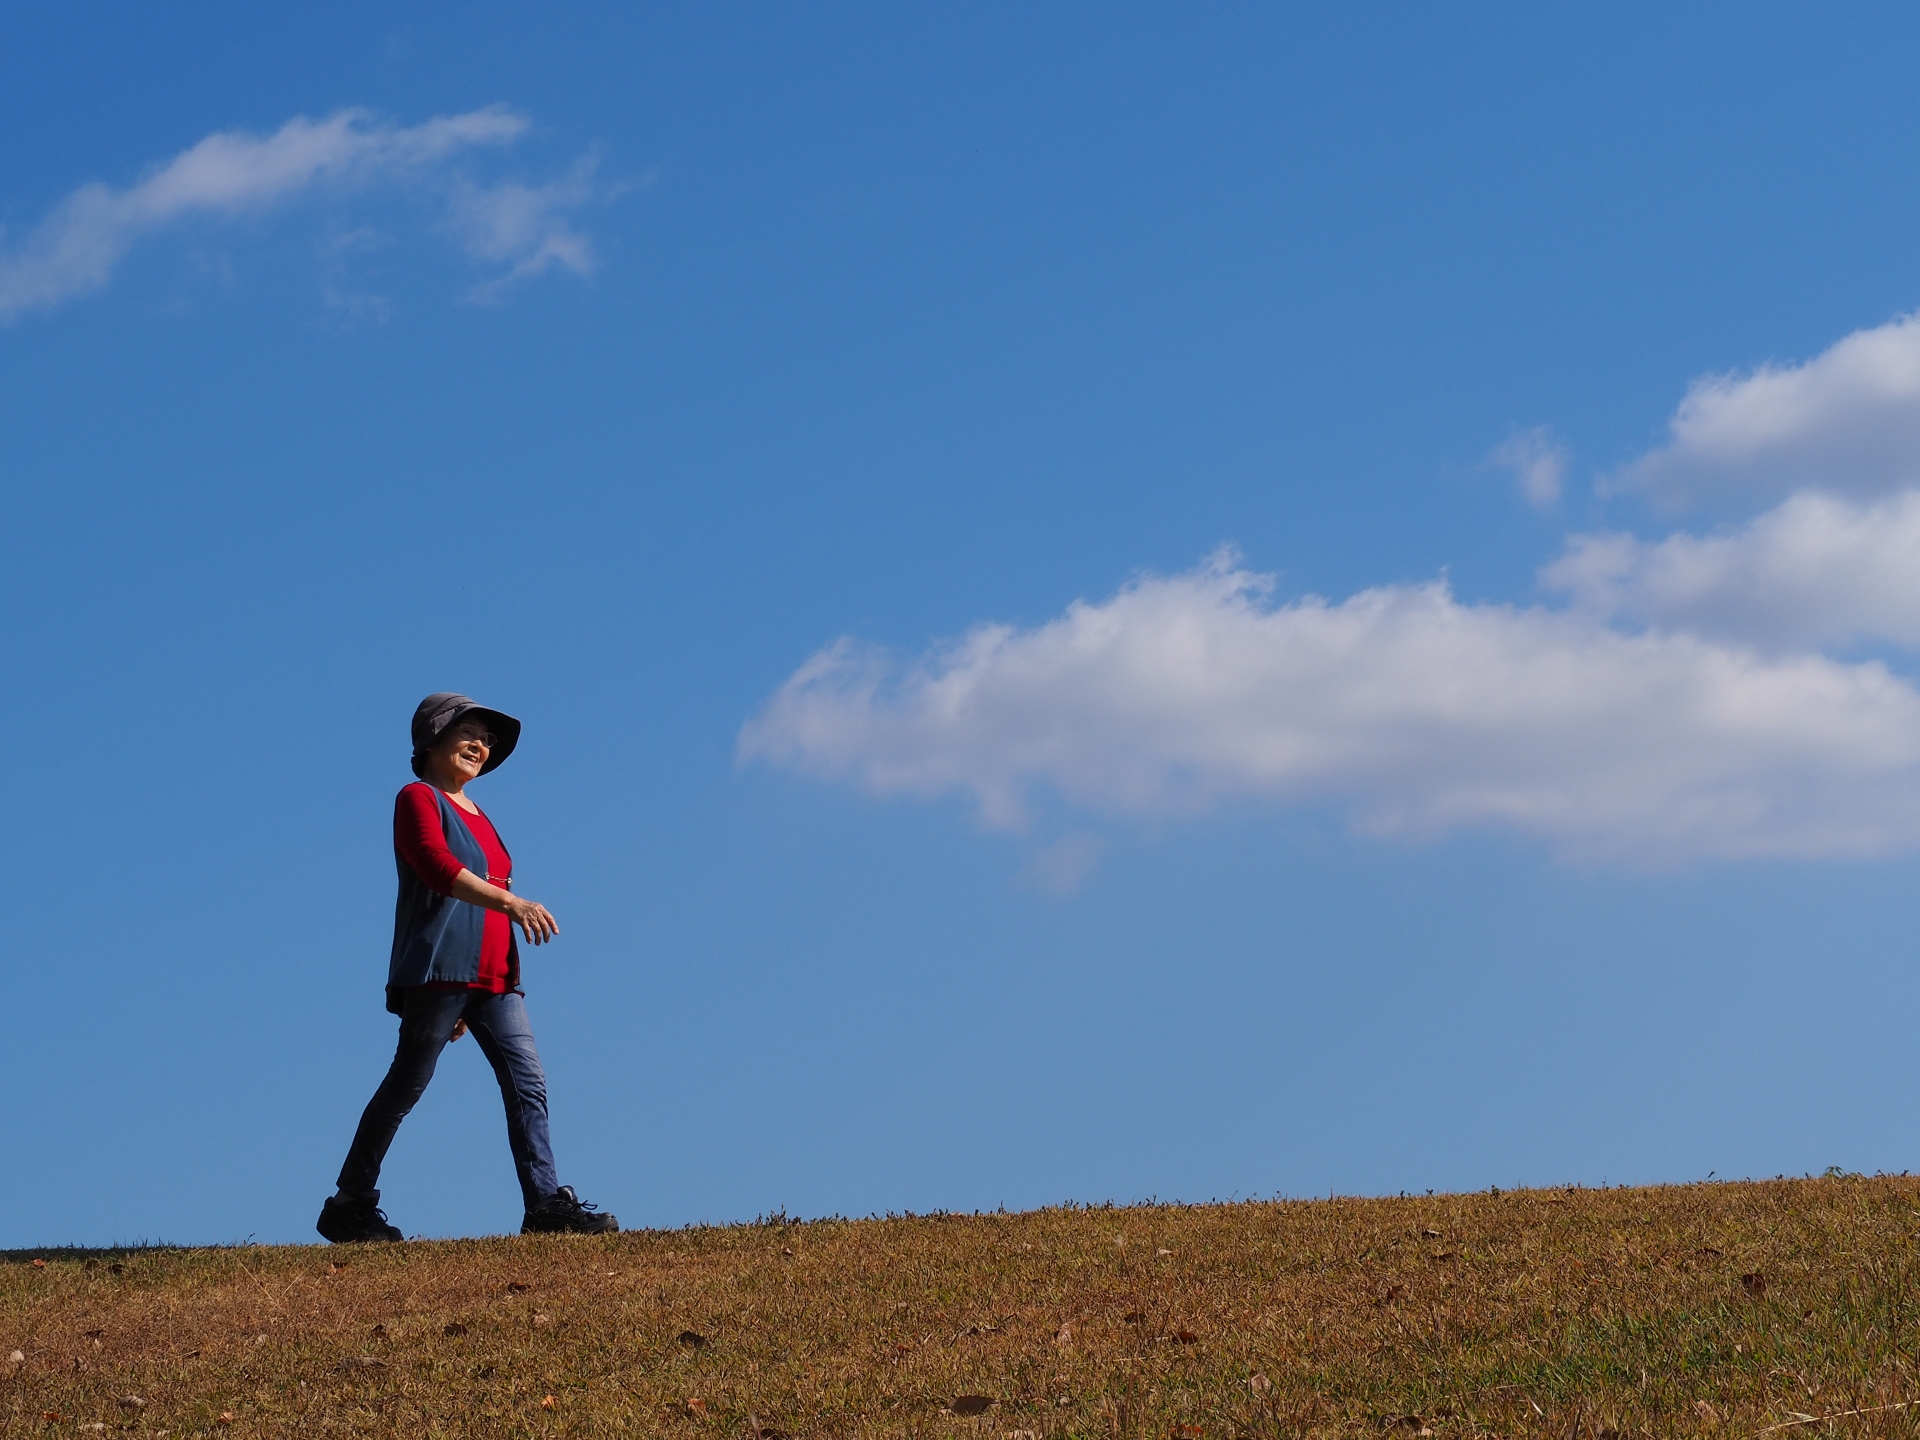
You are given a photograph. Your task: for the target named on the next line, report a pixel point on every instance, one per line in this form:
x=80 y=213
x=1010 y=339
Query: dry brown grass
x=1529 y=1313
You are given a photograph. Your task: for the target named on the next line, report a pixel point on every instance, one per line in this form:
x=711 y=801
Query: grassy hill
x=1786 y=1307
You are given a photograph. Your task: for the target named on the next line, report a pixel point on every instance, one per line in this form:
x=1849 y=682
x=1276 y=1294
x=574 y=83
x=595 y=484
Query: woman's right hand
x=536 y=922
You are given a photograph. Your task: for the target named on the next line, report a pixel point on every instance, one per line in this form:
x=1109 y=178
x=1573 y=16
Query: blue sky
x=1107 y=602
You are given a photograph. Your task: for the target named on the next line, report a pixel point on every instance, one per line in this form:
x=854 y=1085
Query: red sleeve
x=419 y=839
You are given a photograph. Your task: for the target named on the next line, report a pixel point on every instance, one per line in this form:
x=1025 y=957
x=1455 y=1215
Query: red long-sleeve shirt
x=420 y=841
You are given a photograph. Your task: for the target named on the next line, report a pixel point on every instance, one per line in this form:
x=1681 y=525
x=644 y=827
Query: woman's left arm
x=536 y=922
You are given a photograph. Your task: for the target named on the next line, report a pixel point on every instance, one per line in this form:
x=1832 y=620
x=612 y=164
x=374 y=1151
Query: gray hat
x=441 y=709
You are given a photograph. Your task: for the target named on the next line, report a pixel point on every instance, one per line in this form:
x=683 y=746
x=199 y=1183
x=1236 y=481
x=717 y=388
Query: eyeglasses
x=482 y=738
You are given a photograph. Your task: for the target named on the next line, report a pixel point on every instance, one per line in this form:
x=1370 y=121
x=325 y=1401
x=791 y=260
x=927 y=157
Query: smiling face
x=459 y=753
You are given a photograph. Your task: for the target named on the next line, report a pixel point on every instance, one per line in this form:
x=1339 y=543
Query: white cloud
x=1815 y=571
x=1401 y=707
x=76 y=247
x=1680 y=707
x=1537 y=462
x=1846 y=421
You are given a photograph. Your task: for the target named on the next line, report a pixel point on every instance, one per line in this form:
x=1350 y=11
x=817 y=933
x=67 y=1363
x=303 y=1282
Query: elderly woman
x=455 y=968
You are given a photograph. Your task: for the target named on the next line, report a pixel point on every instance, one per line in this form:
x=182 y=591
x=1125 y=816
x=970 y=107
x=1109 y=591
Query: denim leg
x=499 y=1023
x=425 y=1026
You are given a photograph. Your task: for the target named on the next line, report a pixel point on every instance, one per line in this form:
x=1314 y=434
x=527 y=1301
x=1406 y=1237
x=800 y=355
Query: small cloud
x=1538 y=462
x=524 y=227
x=1846 y=421
x=355 y=310
x=1064 y=866
x=1816 y=570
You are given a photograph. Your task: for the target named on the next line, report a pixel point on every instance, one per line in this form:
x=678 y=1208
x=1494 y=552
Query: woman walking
x=455 y=968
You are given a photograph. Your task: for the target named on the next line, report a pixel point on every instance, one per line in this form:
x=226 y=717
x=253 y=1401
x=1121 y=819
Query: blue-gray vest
x=436 y=937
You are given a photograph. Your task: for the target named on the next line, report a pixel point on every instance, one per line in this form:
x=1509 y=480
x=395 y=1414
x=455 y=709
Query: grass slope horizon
x=1731 y=1308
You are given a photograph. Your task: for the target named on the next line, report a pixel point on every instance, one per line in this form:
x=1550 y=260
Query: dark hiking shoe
x=565 y=1213
x=346 y=1221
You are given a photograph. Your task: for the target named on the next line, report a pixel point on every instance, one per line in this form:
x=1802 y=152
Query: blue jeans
x=499 y=1024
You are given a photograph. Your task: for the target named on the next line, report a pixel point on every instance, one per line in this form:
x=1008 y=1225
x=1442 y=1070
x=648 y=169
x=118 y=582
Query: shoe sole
x=568 y=1230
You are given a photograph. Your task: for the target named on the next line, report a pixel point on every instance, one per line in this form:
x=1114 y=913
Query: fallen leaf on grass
x=1183 y=1337
x=39 y=1264
x=1064 y=1335
x=1162 y=1254
x=542 y=1321
x=454 y=1327
x=697 y=1407
x=130 y=1402
x=1706 y=1412
x=226 y=1418
x=548 y=1403
x=18 y=1357
x=1259 y=1384
x=516 y=1286
x=692 y=1339
x=1755 y=1284
x=971 y=1404
x=53 y=1415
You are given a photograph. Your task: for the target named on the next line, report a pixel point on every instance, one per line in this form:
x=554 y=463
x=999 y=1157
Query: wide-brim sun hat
x=443 y=708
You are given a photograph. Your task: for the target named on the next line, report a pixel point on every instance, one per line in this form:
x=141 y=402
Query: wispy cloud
x=1065 y=865
x=524 y=226
x=1538 y=463
x=77 y=246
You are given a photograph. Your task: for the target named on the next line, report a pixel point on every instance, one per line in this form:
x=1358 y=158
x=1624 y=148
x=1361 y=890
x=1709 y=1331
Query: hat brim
x=506 y=732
